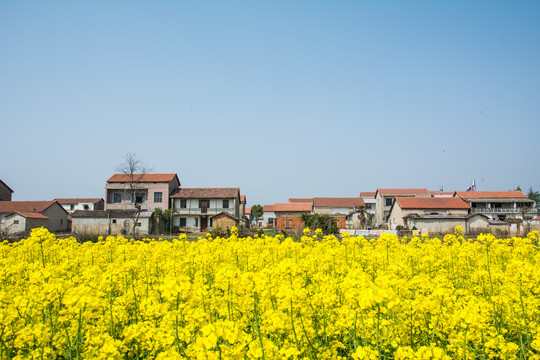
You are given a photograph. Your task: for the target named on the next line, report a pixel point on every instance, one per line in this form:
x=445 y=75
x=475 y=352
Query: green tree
x=324 y=222
x=533 y=195
x=256 y=212
x=163 y=220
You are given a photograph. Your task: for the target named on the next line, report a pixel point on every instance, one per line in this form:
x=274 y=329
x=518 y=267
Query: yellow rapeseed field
x=271 y=298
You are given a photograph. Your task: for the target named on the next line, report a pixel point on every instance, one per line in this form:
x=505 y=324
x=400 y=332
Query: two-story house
x=152 y=191
x=384 y=198
x=195 y=208
x=369 y=201
x=500 y=205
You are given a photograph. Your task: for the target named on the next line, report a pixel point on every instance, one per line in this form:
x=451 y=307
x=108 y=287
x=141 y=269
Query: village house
x=339 y=209
x=73 y=204
x=269 y=217
x=446 y=223
x=403 y=206
x=110 y=222
x=500 y=205
x=19 y=217
x=195 y=208
x=5 y=192
x=288 y=215
x=384 y=198
x=369 y=200
x=152 y=191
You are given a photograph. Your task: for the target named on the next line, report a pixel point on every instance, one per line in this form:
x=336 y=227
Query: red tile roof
x=25 y=206
x=243 y=198
x=206 y=193
x=32 y=215
x=142 y=178
x=491 y=194
x=268 y=208
x=248 y=210
x=301 y=200
x=367 y=194
x=442 y=193
x=338 y=202
x=295 y=207
x=402 y=191
x=66 y=201
x=432 y=203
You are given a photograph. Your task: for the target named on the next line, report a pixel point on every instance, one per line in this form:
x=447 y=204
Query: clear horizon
x=281 y=99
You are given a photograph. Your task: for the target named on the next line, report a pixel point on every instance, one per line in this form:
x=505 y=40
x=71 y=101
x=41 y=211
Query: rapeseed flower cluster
x=271 y=298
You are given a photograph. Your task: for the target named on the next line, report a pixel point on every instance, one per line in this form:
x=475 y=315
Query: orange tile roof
x=243 y=198
x=402 y=191
x=301 y=200
x=248 y=210
x=295 y=207
x=32 y=215
x=432 y=203
x=338 y=202
x=442 y=193
x=268 y=207
x=367 y=194
x=25 y=206
x=142 y=178
x=491 y=194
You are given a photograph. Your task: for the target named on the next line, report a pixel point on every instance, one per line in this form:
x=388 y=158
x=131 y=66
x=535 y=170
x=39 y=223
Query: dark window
x=138 y=198
x=71 y=207
x=388 y=201
x=86 y=207
x=288 y=223
x=158 y=197
x=15 y=221
x=183 y=203
x=114 y=221
x=368 y=206
x=183 y=222
x=270 y=220
x=225 y=204
x=117 y=197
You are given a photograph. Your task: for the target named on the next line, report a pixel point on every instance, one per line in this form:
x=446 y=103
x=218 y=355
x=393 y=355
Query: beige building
x=404 y=206
x=5 y=192
x=150 y=190
x=500 y=205
x=73 y=204
x=384 y=199
x=110 y=222
x=445 y=224
x=21 y=223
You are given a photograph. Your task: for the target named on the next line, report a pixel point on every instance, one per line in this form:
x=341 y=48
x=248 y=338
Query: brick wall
x=290 y=223
x=341 y=221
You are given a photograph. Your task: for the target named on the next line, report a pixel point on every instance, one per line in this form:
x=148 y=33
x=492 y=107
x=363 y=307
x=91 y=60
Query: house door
x=204 y=223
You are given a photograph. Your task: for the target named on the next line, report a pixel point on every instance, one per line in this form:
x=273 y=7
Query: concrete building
x=194 y=208
x=269 y=217
x=21 y=223
x=5 y=192
x=57 y=216
x=369 y=201
x=73 y=204
x=110 y=222
x=150 y=190
x=384 y=199
x=500 y=205
x=443 y=223
x=404 y=206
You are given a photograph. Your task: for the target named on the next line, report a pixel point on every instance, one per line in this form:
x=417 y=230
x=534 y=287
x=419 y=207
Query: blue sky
x=280 y=98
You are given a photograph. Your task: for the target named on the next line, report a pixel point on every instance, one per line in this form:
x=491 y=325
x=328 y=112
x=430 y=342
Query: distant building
x=73 y=204
x=5 y=192
x=195 y=208
x=12 y=213
x=500 y=205
x=150 y=190
x=288 y=216
x=110 y=222
x=369 y=201
x=404 y=206
x=269 y=217
x=384 y=198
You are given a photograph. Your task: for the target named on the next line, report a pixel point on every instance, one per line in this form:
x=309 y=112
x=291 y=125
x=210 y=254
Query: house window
x=117 y=197
x=138 y=198
x=288 y=223
x=196 y=222
x=71 y=207
x=138 y=224
x=86 y=207
x=158 y=197
x=15 y=221
x=114 y=221
x=225 y=204
x=183 y=203
x=271 y=221
x=368 y=206
x=183 y=222
x=388 y=201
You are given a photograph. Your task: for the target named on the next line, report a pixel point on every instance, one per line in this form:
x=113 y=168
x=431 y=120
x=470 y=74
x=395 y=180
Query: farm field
x=271 y=298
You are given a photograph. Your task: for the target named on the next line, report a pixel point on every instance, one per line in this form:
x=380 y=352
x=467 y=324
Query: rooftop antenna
x=442 y=189
x=473 y=187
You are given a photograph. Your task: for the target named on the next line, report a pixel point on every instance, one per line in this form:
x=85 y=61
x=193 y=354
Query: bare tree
x=135 y=170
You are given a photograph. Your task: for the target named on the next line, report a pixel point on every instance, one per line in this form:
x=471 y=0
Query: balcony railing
x=503 y=210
